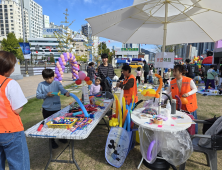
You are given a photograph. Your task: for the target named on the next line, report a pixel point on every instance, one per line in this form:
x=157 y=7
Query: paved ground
x=29 y=84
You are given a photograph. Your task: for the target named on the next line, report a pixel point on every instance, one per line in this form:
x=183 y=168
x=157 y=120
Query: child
x=197 y=79
x=51 y=103
x=95 y=88
x=167 y=76
x=151 y=76
x=138 y=74
x=13 y=146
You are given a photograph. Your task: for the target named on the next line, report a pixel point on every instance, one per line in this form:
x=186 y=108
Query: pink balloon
x=55 y=75
x=75 y=65
x=57 y=63
x=82 y=75
x=74 y=60
x=62 y=56
x=61 y=72
x=64 y=63
x=60 y=69
x=62 y=76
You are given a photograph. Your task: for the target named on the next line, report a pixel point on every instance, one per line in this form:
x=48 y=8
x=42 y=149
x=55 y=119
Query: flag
x=36 y=52
x=109 y=41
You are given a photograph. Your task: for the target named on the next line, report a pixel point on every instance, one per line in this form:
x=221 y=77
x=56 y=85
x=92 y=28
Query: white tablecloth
x=179 y=124
x=64 y=133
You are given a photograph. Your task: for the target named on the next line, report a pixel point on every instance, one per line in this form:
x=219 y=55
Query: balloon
x=56 y=72
x=60 y=69
x=87 y=79
x=63 y=67
x=61 y=63
x=55 y=75
x=56 y=79
x=62 y=56
x=80 y=104
x=58 y=75
x=60 y=78
x=64 y=63
x=58 y=66
x=184 y=100
x=89 y=82
x=61 y=72
x=78 y=82
x=82 y=75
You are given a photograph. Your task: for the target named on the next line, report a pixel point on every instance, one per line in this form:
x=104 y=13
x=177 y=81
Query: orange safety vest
x=185 y=88
x=10 y=122
x=132 y=91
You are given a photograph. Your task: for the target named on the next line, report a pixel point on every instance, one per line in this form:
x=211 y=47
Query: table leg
x=50 y=151
x=73 y=158
x=140 y=163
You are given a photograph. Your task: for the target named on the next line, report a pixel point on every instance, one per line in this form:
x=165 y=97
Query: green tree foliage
x=65 y=36
x=51 y=59
x=107 y=51
x=11 y=45
x=81 y=58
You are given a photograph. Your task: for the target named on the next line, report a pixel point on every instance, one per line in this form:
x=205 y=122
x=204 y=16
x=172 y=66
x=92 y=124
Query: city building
x=202 y=47
x=45 y=21
x=35 y=18
x=46 y=47
x=80 y=46
x=150 y=54
x=95 y=50
x=11 y=19
x=87 y=30
x=126 y=52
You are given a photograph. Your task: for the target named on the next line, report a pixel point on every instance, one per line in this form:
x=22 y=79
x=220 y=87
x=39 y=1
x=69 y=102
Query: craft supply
x=158 y=121
x=114 y=122
x=40 y=126
x=150 y=111
x=77 y=113
x=162 y=117
x=173 y=106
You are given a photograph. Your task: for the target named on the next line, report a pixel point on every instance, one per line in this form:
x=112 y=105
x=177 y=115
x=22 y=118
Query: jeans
x=145 y=77
x=195 y=116
x=208 y=82
x=151 y=79
x=13 y=147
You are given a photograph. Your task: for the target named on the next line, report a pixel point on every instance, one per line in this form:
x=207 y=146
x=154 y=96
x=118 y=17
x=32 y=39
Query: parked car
x=135 y=65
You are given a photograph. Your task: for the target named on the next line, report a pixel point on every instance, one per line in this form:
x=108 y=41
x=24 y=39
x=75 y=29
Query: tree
x=104 y=49
x=81 y=58
x=11 y=45
x=51 y=58
x=111 y=55
x=21 y=40
x=65 y=36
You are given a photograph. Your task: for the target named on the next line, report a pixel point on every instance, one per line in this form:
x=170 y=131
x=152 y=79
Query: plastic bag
x=149 y=144
x=177 y=147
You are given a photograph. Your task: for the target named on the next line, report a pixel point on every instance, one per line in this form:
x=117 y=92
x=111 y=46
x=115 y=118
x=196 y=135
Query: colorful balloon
x=87 y=79
x=82 y=75
x=89 y=82
x=78 y=82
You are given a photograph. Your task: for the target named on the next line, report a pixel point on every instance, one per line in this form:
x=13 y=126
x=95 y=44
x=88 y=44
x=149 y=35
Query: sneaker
x=54 y=145
x=63 y=140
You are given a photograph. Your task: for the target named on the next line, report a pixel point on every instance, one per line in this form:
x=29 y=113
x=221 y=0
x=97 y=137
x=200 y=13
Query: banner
x=164 y=60
x=27 y=56
x=25 y=48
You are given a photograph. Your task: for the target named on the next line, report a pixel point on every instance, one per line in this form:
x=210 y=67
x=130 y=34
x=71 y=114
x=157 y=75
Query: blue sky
x=81 y=9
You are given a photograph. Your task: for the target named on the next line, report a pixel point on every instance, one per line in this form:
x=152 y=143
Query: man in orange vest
x=184 y=87
x=13 y=146
x=128 y=85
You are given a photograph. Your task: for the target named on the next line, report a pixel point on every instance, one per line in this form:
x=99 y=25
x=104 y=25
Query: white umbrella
x=162 y=22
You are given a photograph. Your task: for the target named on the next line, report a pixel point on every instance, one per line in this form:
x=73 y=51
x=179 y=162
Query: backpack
x=107 y=82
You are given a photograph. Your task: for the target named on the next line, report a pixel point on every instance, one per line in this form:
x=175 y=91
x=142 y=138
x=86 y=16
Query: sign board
x=164 y=60
x=27 y=56
x=129 y=49
x=50 y=31
x=25 y=48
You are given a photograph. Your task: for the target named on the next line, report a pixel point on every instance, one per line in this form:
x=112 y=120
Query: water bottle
x=168 y=110
x=173 y=106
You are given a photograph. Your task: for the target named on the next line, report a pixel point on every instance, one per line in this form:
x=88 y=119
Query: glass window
x=2 y=25
x=6 y=13
x=11 y=20
x=2 y=32
x=1 y=17
x=12 y=28
x=10 y=5
x=12 y=24
x=0 y=10
x=5 y=6
x=0 y=6
x=6 y=21
x=2 y=29
x=11 y=17
x=6 y=25
x=7 y=32
x=0 y=13
x=11 y=13
x=5 y=10
x=11 y=9
x=1 y=21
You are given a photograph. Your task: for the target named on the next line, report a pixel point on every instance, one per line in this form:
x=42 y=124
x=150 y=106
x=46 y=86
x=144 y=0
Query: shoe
x=54 y=145
x=63 y=140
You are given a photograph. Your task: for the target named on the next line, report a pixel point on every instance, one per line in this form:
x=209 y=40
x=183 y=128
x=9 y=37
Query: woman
x=128 y=85
x=91 y=73
x=184 y=87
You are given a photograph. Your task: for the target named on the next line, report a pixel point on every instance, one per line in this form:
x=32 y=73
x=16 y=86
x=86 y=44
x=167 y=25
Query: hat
x=104 y=56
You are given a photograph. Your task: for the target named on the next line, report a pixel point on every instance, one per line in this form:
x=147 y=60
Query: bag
x=107 y=82
x=207 y=126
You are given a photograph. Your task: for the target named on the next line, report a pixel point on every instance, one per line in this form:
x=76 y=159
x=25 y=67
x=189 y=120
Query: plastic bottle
x=173 y=106
x=168 y=109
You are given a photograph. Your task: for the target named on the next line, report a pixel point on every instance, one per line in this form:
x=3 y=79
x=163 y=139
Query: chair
x=211 y=153
x=107 y=95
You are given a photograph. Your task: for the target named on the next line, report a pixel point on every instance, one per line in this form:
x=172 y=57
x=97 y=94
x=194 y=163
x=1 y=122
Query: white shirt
x=179 y=83
x=167 y=75
x=15 y=95
x=151 y=73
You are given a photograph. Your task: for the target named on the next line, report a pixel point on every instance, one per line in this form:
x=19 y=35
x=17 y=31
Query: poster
x=25 y=48
x=164 y=60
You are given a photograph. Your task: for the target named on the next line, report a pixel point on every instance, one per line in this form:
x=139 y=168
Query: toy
x=60 y=66
x=57 y=93
x=184 y=100
x=114 y=122
x=151 y=92
x=150 y=111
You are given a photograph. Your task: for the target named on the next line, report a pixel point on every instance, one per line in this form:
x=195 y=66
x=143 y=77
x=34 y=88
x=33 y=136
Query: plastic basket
x=62 y=126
